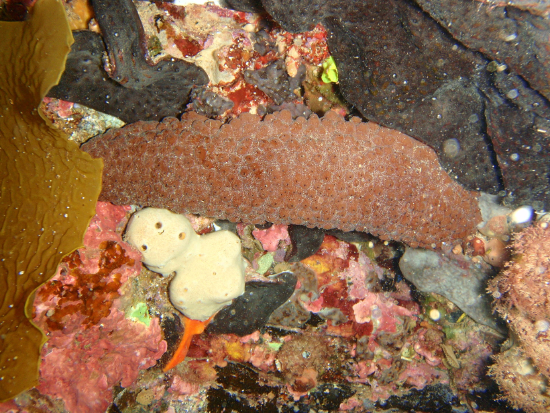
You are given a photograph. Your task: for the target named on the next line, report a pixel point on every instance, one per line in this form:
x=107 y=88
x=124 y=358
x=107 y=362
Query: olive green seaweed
x=49 y=187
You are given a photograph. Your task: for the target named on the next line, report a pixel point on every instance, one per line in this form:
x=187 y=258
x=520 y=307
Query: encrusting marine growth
x=209 y=269
x=325 y=173
x=522 y=297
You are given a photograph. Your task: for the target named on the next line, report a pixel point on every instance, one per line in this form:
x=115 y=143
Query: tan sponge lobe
x=209 y=269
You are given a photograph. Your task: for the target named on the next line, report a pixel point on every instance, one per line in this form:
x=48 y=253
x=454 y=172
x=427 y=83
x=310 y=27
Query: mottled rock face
x=487 y=87
x=325 y=173
x=460 y=281
x=135 y=90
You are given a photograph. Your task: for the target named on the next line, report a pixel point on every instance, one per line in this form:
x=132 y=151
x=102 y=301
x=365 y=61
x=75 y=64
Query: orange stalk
x=192 y=328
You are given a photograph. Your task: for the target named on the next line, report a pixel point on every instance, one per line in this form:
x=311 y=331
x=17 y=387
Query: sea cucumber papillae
x=327 y=173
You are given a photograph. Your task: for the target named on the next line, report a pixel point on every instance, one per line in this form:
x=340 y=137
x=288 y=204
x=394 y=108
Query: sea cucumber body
x=327 y=173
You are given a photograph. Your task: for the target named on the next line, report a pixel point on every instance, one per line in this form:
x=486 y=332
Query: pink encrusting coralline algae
x=92 y=346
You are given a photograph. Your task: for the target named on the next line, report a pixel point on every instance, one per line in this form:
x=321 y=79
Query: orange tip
x=192 y=327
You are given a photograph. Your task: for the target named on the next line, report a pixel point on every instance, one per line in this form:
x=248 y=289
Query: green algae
x=264 y=263
x=49 y=187
x=330 y=71
x=140 y=312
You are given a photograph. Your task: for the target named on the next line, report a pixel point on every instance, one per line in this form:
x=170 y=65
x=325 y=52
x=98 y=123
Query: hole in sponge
x=144 y=247
x=158 y=225
x=181 y=235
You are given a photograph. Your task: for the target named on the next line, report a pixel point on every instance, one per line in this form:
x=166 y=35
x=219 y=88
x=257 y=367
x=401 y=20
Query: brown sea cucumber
x=327 y=173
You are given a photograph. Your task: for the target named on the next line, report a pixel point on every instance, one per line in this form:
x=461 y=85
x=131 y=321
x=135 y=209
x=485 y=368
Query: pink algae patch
x=88 y=280
x=181 y=387
x=81 y=367
x=107 y=225
x=385 y=312
x=420 y=374
x=272 y=237
x=359 y=274
x=91 y=345
x=350 y=404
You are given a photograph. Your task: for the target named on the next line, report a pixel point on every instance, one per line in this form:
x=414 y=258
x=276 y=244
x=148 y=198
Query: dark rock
x=304 y=242
x=351 y=236
x=506 y=34
x=432 y=398
x=243 y=379
x=241 y=391
x=209 y=103
x=297 y=110
x=250 y=311
x=330 y=396
x=262 y=42
x=307 y=241
x=172 y=329
x=145 y=92
x=399 y=69
x=490 y=399
x=222 y=401
x=249 y=6
x=274 y=81
x=519 y=126
x=227 y=225
x=300 y=16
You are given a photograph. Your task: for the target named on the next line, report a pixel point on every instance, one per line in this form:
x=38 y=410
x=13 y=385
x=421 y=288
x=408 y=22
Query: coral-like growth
x=81 y=367
x=88 y=280
x=326 y=173
x=523 y=298
x=92 y=346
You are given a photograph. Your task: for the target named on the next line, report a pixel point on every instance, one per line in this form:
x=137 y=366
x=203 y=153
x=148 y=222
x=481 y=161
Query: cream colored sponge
x=209 y=268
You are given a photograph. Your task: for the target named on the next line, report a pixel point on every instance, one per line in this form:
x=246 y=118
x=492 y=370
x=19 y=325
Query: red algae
x=188 y=47
x=87 y=280
x=92 y=346
x=82 y=367
x=343 y=297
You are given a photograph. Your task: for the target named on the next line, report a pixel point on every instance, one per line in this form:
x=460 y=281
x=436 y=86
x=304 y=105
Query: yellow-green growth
x=49 y=187
x=264 y=263
x=330 y=71
x=140 y=312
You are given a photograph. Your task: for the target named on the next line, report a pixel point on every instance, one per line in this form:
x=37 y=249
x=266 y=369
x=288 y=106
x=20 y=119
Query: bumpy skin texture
x=325 y=173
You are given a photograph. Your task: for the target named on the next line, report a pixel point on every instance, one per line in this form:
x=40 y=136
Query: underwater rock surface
x=461 y=282
x=250 y=311
x=135 y=90
x=398 y=67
